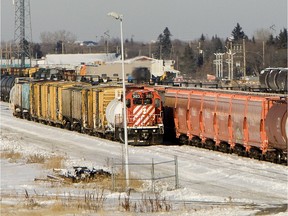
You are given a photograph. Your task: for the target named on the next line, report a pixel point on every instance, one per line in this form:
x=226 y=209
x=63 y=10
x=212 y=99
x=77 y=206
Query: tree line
x=194 y=59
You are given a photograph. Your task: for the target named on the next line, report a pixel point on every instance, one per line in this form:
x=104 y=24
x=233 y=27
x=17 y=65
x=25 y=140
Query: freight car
x=96 y=110
x=244 y=123
x=274 y=79
x=6 y=84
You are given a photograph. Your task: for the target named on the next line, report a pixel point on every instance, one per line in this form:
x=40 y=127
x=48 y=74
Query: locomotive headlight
x=154 y=130
x=136 y=131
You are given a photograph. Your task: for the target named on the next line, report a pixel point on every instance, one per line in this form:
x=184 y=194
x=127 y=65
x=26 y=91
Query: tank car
x=229 y=121
x=282 y=80
x=271 y=79
x=274 y=79
x=263 y=77
x=6 y=84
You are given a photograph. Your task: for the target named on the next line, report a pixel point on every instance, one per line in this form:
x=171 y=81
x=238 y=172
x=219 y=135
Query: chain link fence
x=155 y=176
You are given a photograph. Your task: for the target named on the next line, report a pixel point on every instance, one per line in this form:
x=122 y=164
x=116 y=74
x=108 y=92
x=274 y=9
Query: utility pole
x=263 y=54
x=23 y=30
x=219 y=64
x=244 y=59
x=230 y=62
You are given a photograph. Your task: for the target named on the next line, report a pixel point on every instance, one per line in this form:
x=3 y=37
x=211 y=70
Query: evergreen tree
x=200 y=60
x=271 y=40
x=164 y=45
x=158 y=53
x=202 y=38
x=59 y=47
x=281 y=39
x=216 y=45
x=187 y=65
x=238 y=34
x=37 y=53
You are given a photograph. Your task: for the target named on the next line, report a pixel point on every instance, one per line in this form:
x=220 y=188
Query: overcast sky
x=145 y=20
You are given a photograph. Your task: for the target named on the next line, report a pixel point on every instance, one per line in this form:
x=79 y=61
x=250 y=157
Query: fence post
x=153 y=175
x=112 y=176
x=176 y=173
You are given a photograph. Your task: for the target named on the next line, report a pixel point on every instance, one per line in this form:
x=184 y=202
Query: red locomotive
x=245 y=123
x=144 y=116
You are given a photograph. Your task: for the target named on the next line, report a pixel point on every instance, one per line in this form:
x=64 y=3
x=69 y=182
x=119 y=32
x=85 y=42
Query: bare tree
x=53 y=37
x=262 y=34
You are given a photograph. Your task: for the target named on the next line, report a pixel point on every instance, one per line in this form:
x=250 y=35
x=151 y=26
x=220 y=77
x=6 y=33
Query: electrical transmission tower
x=23 y=30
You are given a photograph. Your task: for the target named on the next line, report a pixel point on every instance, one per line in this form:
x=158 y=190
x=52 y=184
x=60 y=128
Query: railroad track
x=213 y=161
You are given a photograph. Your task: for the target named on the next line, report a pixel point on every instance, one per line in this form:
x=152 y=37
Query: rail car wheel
x=209 y=144
x=239 y=150
x=120 y=135
x=25 y=116
x=109 y=136
x=58 y=125
x=51 y=123
x=67 y=125
x=255 y=153
x=271 y=156
x=77 y=127
x=279 y=160
x=90 y=132
x=224 y=147
x=135 y=140
x=196 y=141
x=183 y=140
x=96 y=134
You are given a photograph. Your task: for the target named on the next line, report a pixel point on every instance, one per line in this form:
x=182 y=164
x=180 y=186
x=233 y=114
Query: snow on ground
x=211 y=183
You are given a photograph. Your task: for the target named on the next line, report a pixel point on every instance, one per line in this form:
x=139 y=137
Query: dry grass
x=45 y=210
x=68 y=205
x=146 y=204
x=120 y=182
x=52 y=162
x=55 y=162
x=11 y=155
x=93 y=201
x=36 y=158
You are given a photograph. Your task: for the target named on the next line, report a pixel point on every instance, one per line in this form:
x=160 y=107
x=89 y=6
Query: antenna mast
x=22 y=31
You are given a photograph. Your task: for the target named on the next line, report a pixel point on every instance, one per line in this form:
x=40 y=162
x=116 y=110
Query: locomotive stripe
x=141 y=118
x=137 y=112
x=138 y=116
x=150 y=112
x=136 y=109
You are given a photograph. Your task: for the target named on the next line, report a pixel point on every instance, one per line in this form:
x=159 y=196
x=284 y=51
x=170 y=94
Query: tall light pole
x=120 y=17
